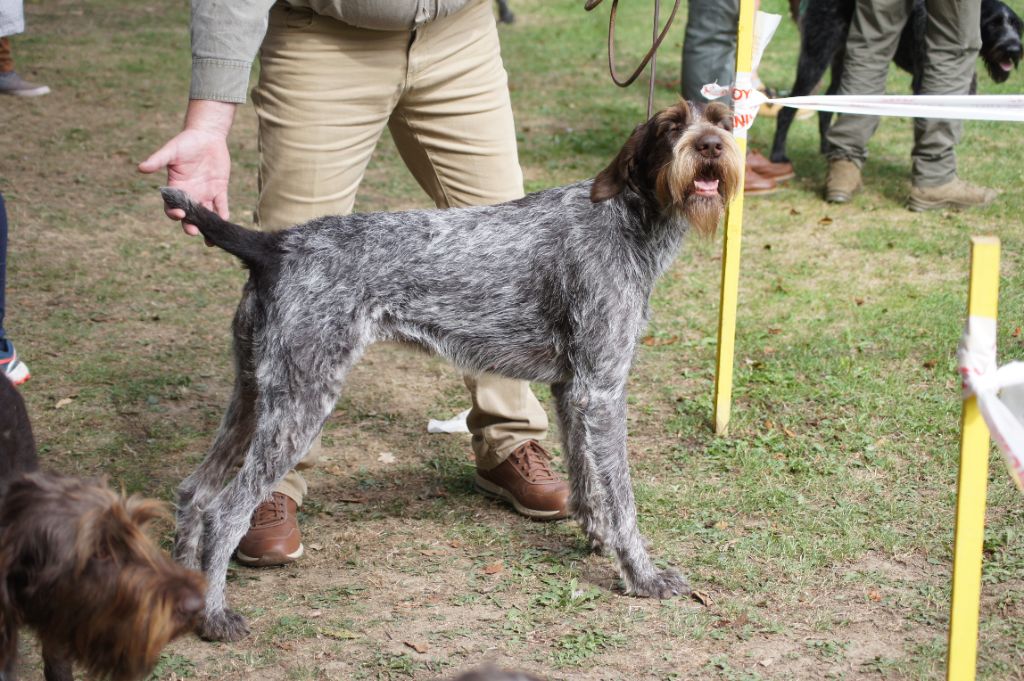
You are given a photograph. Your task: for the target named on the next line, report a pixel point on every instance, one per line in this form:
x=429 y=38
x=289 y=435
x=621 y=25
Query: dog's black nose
x=710 y=145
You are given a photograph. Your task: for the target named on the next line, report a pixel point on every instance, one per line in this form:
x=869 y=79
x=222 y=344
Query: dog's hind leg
x=602 y=497
x=297 y=392
x=229 y=446
x=809 y=72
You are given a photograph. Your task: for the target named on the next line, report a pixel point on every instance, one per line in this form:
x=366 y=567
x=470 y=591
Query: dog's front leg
x=602 y=490
x=57 y=664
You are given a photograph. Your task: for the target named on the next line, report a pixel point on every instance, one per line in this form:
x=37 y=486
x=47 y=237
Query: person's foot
x=843 y=180
x=526 y=481
x=13 y=84
x=755 y=184
x=780 y=172
x=954 y=194
x=10 y=366
x=273 y=537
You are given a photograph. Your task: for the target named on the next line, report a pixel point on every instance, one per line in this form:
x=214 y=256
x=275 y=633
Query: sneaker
x=273 y=537
x=13 y=368
x=843 y=180
x=954 y=194
x=13 y=84
x=526 y=481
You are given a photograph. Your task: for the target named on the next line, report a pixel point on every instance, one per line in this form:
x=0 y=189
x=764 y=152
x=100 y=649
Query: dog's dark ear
x=612 y=180
x=719 y=114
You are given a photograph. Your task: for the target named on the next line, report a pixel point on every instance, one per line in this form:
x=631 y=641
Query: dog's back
x=17 y=446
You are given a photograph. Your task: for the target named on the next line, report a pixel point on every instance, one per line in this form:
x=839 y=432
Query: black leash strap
x=651 y=56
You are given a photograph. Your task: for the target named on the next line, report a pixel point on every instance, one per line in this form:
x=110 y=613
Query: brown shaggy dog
x=77 y=567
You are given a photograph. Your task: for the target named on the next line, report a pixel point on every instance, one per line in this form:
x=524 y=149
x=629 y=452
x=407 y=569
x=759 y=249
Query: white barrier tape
x=1000 y=391
x=747 y=101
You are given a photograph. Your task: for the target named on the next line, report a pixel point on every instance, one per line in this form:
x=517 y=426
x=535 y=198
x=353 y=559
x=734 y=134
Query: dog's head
x=684 y=160
x=80 y=569
x=1001 y=31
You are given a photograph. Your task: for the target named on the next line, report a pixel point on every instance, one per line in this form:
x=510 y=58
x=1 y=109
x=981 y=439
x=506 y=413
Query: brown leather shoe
x=755 y=184
x=526 y=481
x=273 y=537
x=780 y=172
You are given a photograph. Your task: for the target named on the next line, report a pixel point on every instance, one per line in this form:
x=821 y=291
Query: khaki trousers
x=325 y=93
x=952 y=41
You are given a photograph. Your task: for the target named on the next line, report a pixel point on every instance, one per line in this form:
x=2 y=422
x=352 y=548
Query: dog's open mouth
x=1006 y=65
x=705 y=187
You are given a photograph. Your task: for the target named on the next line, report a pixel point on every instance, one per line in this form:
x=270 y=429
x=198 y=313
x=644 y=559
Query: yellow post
x=733 y=232
x=982 y=301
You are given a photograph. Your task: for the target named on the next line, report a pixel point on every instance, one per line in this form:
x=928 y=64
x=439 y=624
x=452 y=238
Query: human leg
x=453 y=126
x=324 y=95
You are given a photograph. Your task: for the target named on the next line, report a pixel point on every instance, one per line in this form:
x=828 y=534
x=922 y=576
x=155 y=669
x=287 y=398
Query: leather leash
x=652 y=54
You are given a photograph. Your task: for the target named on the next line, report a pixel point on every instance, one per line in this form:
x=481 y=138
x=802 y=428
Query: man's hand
x=197 y=158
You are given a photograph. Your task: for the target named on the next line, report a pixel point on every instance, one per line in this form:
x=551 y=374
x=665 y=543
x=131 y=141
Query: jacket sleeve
x=226 y=34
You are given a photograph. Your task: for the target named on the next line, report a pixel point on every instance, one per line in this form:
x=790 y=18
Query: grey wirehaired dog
x=553 y=287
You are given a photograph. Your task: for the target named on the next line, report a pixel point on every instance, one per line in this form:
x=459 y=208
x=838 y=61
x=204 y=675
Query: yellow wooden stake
x=982 y=301
x=731 y=244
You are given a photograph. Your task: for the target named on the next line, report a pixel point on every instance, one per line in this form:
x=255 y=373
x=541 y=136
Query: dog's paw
x=665 y=584
x=225 y=625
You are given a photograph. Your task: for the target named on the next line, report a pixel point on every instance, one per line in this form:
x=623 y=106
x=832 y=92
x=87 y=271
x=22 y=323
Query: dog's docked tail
x=252 y=247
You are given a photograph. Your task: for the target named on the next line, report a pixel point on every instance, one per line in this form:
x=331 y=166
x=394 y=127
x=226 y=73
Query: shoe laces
x=270 y=512
x=534 y=462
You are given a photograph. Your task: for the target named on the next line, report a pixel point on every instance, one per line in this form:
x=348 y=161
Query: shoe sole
x=17 y=374
x=920 y=206
x=778 y=178
x=489 y=489
x=270 y=559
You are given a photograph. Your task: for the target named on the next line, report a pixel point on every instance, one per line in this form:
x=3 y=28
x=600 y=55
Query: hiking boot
x=273 y=537
x=526 y=481
x=13 y=84
x=780 y=172
x=755 y=184
x=843 y=181
x=954 y=194
x=13 y=368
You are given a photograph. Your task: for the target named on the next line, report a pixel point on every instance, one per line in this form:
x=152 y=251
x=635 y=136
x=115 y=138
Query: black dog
x=825 y=45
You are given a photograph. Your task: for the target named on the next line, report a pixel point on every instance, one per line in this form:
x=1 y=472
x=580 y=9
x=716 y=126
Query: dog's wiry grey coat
x=553 y=287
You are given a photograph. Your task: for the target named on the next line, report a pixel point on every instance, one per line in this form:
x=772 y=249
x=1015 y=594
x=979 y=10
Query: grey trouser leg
x=952 y=43
x=709 y=50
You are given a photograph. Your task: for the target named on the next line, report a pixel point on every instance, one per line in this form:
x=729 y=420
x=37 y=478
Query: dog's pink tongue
x=1006 y=65
x=706 y=186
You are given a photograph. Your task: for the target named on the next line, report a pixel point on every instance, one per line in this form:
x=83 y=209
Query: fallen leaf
x=386 y=457
x=702 y=597
x=1016 y=332
x=352 y=500
x=494 y=568
x=432 y=552
x=63 y=402
x=930 y=364
x=858 y=301
x=789 y=432
x=652 y=341
x=825 y=221
x=339 y=634
x=773 y=331
x=794 y=211
x=455 y=543
x=418 y=647
x=874 y=595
